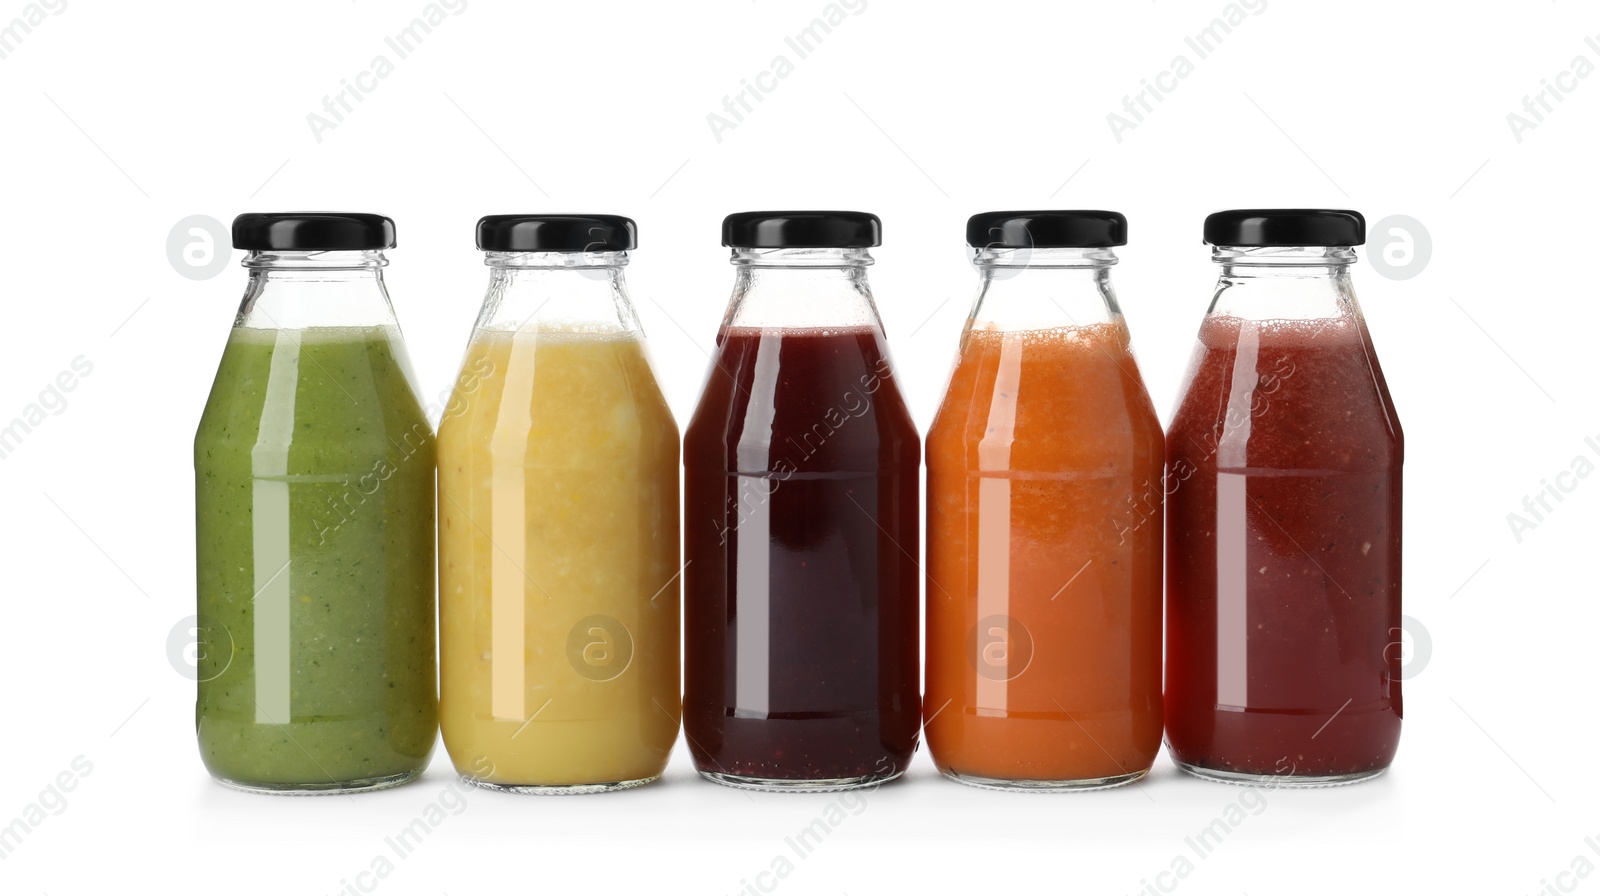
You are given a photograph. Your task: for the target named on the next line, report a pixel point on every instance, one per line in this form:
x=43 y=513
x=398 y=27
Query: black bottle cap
x=1252 y=227
x=802 y=230
x=557 y=233
x=1065 y=229
x=326 y=231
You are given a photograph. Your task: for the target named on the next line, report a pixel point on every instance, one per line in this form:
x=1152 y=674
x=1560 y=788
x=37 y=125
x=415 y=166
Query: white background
x=121 y=119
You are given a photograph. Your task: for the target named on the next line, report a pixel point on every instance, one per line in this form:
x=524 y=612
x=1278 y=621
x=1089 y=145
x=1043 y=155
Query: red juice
x=801 y=535
x=1283 y=570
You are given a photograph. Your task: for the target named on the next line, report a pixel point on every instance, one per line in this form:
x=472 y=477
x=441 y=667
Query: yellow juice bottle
x=558 y=523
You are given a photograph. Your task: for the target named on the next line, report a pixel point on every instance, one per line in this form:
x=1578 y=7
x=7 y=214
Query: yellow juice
x=558 y=562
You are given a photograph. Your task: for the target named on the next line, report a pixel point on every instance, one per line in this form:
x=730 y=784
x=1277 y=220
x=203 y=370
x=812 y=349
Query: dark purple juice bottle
x=800 y=522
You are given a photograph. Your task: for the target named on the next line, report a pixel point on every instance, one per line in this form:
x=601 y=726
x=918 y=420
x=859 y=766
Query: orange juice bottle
x=1044 y=521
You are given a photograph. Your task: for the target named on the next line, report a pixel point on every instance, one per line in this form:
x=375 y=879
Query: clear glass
x=1284 y=461
x=314 y=469
x=800 y=529
x=1039 y=289
x=801 y=289
x=558 y=537
x=1044 y=551
x=1284 y=283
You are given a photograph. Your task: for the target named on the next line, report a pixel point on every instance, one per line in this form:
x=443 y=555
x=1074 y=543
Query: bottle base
x=792 y=785
x=1277 y=781
x=361 y=785
x=1081 y=785
x=561 y=789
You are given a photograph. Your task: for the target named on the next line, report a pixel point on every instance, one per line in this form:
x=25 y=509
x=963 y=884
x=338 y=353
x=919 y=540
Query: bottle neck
x=802 y=289
x=1037 y=289
x=1284 y=283
x=291 y=290
x=557 y=292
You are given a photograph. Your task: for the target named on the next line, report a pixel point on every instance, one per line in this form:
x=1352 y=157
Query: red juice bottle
x=801 y=522
x=1283 y=517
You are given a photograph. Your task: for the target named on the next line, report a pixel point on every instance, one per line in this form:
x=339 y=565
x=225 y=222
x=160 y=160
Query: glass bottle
x=314 y=467
x=1283 y=522
x=1044 y=521
x=558 y=522
x=800 y=497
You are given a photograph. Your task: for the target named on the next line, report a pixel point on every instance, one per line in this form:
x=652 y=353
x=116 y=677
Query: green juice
x=314 y=496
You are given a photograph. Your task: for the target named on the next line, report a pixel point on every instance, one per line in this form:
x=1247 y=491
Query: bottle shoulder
x=575 y=401
x=1297 y=396
x=334 y=390
x=1048 y=406
x=821 y=401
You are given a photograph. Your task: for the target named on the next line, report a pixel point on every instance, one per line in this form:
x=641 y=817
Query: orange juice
x=1044 y=562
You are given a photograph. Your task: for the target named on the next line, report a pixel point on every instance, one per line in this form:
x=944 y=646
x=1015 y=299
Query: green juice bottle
x=314 y=517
